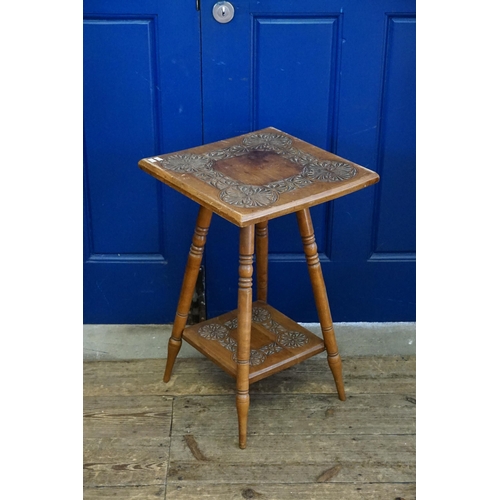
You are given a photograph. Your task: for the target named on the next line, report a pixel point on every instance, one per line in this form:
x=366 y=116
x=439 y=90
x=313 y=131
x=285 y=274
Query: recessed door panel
x=142 y=97
x=335 y=75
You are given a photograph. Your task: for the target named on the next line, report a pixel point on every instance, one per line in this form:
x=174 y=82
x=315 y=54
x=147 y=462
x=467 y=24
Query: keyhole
x=223 y=12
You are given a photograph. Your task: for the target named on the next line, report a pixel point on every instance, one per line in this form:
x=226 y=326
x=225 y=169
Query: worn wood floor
x=144 y=439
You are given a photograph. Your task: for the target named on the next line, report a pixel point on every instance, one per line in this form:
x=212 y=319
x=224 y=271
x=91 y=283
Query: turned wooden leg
x=261 y=251
x=187 y=290
x=321 y=298
x=244 y=329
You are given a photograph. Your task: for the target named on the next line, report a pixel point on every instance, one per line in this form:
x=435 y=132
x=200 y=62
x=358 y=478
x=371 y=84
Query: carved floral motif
x=259 y=315
x=292 y=339
x=284 y=338
x=328 y=171
x=249 y=196
x=267 y=141
x=187 y=163
x=234 y=193
x=212 y=331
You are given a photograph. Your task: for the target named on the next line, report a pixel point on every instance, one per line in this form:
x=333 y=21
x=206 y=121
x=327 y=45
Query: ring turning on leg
x=321 y=298
x=187 y=290
x=244 y=330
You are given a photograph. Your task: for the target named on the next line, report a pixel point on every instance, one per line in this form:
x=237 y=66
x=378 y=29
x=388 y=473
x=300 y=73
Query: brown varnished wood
x=217 y=347
x=247 y=235
x=248 y=180
x=321 y=298
x=261 y=167
x=261 y=251
x=187 y=290
x=257 y=169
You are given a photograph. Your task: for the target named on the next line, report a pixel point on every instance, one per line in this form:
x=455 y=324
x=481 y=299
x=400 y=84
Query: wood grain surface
x=246 y=181
x=261 y=336
x=144 y=439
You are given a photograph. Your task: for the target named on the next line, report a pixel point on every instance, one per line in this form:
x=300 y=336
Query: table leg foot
x=174 y=346
x=244 y=330
x=242 y=406
x=321 y=298
x=335 y=364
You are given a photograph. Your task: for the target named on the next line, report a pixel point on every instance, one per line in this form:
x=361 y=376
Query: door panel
x=293 y=87
x=142 y=97
x=343 y=78
x=117 y=202
x=395 y=208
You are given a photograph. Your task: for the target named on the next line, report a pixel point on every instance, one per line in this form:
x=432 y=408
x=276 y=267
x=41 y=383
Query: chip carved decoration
x=284 y=338
x=235 y=193
x=213 y=331
x=243 y=195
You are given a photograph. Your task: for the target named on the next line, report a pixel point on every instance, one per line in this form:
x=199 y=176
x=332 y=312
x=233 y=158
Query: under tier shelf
x=277 y=342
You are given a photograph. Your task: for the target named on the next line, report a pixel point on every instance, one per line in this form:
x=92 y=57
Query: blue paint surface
x=160 y=77
x=341 y=76
x=142 y=97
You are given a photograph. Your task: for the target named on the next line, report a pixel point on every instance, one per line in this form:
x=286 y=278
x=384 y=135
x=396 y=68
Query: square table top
x=258 y=176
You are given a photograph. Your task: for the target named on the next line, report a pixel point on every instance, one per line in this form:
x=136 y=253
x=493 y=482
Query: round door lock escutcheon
x=223 y=12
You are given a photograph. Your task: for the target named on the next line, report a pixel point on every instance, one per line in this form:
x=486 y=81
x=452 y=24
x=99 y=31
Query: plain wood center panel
x=120 y=108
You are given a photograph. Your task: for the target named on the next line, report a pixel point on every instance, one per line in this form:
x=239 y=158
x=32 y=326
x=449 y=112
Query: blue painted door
x=340 y=75
x=142 y=97
x=160 y=76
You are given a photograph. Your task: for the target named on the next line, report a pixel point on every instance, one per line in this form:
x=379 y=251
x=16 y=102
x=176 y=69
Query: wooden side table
x=248 y=180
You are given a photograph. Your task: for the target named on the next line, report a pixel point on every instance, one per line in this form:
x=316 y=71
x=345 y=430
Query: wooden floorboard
x=305 y=414
x=146 y=439
x=287 y=491
x=294 y=458
x=121 y=493
x=126 y=440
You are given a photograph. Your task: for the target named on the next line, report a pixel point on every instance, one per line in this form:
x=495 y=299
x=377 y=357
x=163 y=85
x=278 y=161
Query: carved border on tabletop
x=235 y=193
x=284 y=338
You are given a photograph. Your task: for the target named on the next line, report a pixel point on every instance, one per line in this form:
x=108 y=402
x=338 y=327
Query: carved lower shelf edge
x=277 y=342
